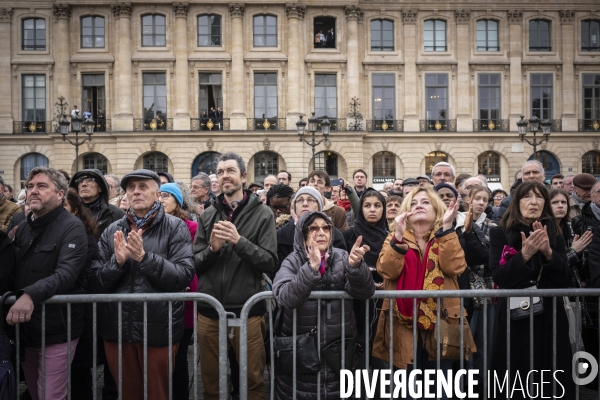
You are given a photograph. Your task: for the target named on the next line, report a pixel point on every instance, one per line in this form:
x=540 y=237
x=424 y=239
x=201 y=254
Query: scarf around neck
x=578 y=199
x=595 y=210
x=141 y=222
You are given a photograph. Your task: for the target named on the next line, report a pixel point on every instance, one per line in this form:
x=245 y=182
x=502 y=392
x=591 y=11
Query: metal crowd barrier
x=129 y=298
x=391 y=296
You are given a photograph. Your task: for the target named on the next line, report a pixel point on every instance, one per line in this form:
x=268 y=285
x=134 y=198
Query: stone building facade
x=403 y=84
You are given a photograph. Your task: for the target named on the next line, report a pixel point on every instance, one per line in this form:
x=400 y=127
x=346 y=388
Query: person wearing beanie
x=447 y=193
x=305 y=200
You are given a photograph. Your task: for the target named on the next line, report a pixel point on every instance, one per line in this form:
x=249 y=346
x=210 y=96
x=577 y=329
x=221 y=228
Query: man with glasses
x=201 y=191
x=214 y=185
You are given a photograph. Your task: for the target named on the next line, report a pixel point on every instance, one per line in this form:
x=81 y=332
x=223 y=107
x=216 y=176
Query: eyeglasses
x=498 y=197
x=87 y=180
x=279 y=208
x=196 y=187
x=164 y=195
x=315 y=229
x=309 y=199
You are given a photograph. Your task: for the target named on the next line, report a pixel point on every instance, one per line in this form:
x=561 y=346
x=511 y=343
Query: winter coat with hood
x=7 y=210
x=168 y=266
x=104 y=212
x=292 y=286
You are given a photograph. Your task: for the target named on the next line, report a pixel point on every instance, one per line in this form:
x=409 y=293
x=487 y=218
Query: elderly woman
x=316 y=265
x=422 y=253
x=528 y=250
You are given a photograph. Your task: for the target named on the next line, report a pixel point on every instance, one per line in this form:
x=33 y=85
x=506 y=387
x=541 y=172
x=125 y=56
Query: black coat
x=515 y=274
x=50 y=255
x=477 y=252
x=594 y=260
x=581 y=223
x=167 y=267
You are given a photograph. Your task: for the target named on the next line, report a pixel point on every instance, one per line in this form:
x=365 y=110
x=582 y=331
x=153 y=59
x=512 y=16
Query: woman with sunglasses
x=171 y=198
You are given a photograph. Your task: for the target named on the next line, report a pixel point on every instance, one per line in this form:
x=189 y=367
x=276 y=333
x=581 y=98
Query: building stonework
x=150 y=72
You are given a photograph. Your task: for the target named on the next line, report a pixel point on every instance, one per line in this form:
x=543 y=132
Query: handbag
x=332 y=354
x=520 y=306
x=308 y=361
x=476 y=282
x=449 y=339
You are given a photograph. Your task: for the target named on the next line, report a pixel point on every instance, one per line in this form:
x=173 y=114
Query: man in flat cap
x=582 y=186
x=146 y=251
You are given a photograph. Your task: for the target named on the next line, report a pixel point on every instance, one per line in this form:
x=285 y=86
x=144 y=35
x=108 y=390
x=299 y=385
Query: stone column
x=569 y=115
x=515 y=55
x=295 y=13
x=238 y=94
x=6 y=120
x=122 y=120
x=411 y=81
x=353 y=15
x=60 y=50
x=182 y=114
x=464 y=122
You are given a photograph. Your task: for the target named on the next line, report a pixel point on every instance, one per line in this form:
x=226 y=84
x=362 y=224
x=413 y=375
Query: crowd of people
x=222 y=236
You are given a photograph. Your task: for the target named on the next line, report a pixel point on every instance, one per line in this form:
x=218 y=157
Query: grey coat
x=292 y=286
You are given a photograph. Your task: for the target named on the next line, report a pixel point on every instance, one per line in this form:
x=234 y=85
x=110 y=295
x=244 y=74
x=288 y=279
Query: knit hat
x=310 y=191
x=584 y=181
x=174 y=190
x=446 y=185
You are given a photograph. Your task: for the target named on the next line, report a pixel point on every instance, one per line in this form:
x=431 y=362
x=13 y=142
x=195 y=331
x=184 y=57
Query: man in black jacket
x=235 y=244
x=51 y=249
x=147 y=251
x=93 y=189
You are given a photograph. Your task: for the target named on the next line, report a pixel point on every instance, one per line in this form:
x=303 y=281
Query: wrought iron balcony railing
x=437 y=125
x=209 y=124
x=266 y=124
x=103 y=125
x=154 y=124
x=385 y=125
x=556 y=125
x=491 y=125
x=588 y=125
x=337 y=124
x=32 y=127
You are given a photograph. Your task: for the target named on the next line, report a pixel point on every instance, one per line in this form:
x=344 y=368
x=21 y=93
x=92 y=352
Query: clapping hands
x=537 y=241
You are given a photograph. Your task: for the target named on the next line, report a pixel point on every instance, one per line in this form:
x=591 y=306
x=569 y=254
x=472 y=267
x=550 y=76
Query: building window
x=155 y=99
x=541 y=96
x=156 y=161
x=487 y=35
x=384 y=165
x=489 y=98
x=539 y=35
x=92 y=32
x=206 y=163
x=325 y=34
x=154 y=31
x=325 y=96
x=93 y=97
x=590 y=163
x=488 y=164
x=590 y=35
x=591 y=99
x=211 y=95
x=34 y=34
x=328 y=162
x=435 y=35
x=433 y=158
x=34 y=99
x=265 y=163
x=30 y=161
x=384 y=97
x=265 y=31
x=436 y=95
x=265 y=95
x=382 y=35
x=209 y=30
x=95 y=161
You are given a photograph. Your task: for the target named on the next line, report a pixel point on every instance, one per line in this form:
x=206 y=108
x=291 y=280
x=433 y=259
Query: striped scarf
x=140 y=222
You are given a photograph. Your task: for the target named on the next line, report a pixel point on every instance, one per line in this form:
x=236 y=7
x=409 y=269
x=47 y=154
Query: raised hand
x=135 y=245
x=537 y=240
x=469 y=220
x=357 y=253
x=121 y=250
x=314 y=255
x=580 y=243
x=400 y=222
x=450 y=214
x=216 y=243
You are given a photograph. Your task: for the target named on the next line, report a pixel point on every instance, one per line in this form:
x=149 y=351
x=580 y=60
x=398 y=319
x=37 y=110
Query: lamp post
x=76 y=123
x=535 y=126
x=313 y=124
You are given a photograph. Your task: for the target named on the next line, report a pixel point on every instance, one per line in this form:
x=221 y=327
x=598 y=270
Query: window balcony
x=385 y=125
x=437 y=125
x=337 y=124
x=103 y=125
x=209 y=124
x=154 y=124
x=491 y=125
x=266 y=124
x=32 y=127
x=588 y=125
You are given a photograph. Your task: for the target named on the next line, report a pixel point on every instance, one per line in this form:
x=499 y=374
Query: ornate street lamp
x=534 y=126
x=313 y=125
x=76 y=124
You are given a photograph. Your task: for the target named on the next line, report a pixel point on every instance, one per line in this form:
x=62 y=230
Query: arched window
x=265 y=31
x=382 y=35
x=156 y=161
x=435 y=35
x=30 y=161
x=539 y=35
x=590 y=35
x=324 y=33
x=205 y=162
x=488 y=164
x=92 y=32
x=95 y=161
x=590 y=163
x=34 y=34
x=265 y=163
x=384 y=165
x=487 y=35
x=433 y=158
x=328 y=162
x=154 y=31
x=549 y=162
